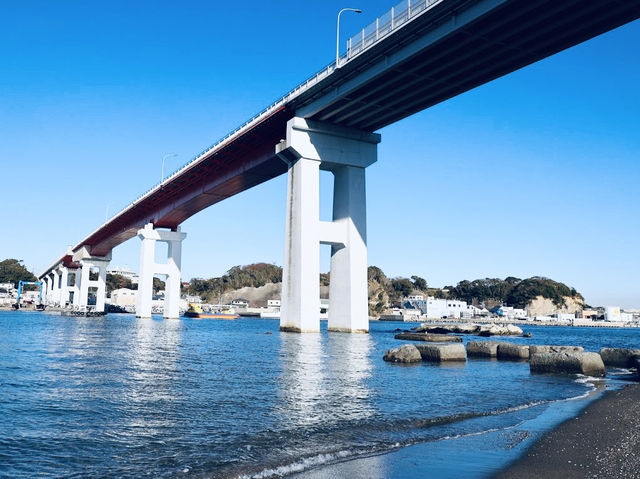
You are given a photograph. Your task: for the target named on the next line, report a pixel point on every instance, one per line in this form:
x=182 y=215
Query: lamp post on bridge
x=357 y=10
x=169 y=155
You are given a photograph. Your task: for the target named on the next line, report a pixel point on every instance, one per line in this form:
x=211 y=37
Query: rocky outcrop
x=499 y=330
x=407 y=353
x=537 y=349
x=482 y=349
x=619 y=357
x=589 y=364
x=513 y=352
x=467 y=328
x=442 y=352
x=471 y=328
x=431 y=338
x=542 y=306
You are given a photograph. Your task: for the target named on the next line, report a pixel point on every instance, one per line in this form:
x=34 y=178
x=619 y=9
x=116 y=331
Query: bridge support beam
x=46 y=281
x=64 y=285
x=148 y=267
x=83 y=279
x=309 y=147
x=101 y=264
x=55 y=288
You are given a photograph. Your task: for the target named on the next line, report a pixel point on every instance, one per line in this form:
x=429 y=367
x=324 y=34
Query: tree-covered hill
x=512 y=291
x=12 y=271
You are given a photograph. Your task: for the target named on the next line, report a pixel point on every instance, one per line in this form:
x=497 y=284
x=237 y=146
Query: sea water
x=119 y=396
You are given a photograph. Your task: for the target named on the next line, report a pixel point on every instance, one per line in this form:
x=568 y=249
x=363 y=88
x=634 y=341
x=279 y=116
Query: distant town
x=253 y=291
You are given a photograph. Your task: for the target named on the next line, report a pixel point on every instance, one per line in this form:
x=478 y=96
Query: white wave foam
x=299 y=466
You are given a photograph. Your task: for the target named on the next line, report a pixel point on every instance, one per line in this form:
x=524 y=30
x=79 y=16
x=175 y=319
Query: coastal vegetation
x=387 y=292
x=513 y=291
x=12 y=271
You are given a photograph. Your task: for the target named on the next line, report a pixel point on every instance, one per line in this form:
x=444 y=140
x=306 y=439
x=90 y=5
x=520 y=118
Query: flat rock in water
x=484 y=349
x=432 y=338
x=467 y=328
x=619 y=357
x=442 y=352
x=499 y=330
x=537 y=349
x=407 y=353
x=513 y=352
x=589 y=364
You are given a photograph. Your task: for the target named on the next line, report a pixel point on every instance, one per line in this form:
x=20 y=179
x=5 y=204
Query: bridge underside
x=455 y=48
x=236 y=166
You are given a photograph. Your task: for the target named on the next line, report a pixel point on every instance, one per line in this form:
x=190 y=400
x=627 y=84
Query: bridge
x=418 y=54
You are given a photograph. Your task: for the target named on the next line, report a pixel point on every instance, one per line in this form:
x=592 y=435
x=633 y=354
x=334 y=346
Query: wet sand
x=600 y=440
x=603 y=441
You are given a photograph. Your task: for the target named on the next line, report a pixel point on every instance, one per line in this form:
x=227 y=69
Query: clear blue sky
x=537 y=173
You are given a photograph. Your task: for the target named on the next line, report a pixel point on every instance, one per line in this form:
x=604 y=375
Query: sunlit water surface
x=124 y=397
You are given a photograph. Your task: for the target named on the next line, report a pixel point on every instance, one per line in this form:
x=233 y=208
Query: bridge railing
x=385 y=24
x=368 y=36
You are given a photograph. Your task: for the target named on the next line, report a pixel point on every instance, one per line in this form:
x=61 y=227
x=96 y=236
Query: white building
x=127 y=273
x=415 y=297
x=273 y=303
x=124 y=297
x=240 y=303
x=612 y=313
x=445 y=308
x=8 y=287
x=511 y=313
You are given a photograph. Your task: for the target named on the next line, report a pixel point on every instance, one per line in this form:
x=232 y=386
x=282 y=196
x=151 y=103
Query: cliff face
x=541 y=306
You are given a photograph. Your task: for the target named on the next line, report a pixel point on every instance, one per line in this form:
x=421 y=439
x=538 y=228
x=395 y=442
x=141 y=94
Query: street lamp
x=357 y=10
x=164 y=158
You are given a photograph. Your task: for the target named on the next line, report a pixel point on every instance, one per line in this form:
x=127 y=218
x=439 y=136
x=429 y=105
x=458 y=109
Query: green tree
x=12 y=271
x=419 y=283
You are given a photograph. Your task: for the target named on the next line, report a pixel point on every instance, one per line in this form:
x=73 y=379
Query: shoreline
x=594 y=436
x=603 y=440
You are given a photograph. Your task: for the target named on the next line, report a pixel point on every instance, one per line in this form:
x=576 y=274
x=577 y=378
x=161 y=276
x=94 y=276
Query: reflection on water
x=303 y=383
x=153 y=358
x=124 y=397
x=323 y=379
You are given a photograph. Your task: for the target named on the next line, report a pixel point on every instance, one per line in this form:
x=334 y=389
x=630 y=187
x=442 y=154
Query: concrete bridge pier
x=148 y=267
x=309 y=147
x=83 y=279
x=46 y=289
x=64 y=285
x=55 y=288
x=100 y=284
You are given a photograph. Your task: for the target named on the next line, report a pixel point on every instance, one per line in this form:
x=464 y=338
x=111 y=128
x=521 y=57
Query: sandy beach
x=601 y=442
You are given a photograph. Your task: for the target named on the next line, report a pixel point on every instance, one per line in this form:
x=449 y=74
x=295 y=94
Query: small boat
x=196 y=311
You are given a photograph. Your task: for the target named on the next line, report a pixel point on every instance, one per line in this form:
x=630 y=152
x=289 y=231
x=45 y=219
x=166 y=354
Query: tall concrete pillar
x=148 y=267
x=75 y=289
x=46 y=288
x=64 y=285
x=55 y=289
x=85 y=271
x=300 y=307
x=348 y=308
x=309 y=147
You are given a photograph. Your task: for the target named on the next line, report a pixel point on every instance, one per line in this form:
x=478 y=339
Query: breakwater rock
x=589 y=364
x=407 y=353
x=483 y=349
x=513 y=352
x=619 y=357
x=431 y=338
x=471 y=328
x=442 y=352
x=533 y=349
